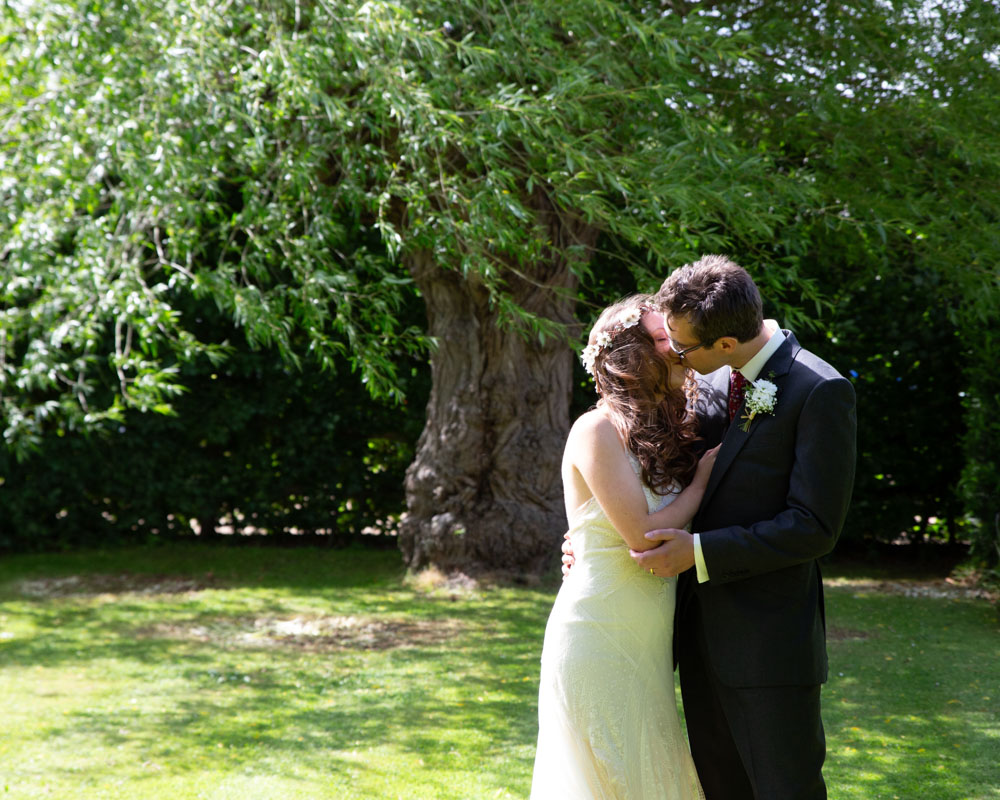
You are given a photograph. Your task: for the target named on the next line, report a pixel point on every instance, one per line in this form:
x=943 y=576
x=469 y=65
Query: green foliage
x=980 y=478
x=883 y=111
x=157 y=151
x=262 y=447
x=907 y=378
x=286 y=161
x=891 y=113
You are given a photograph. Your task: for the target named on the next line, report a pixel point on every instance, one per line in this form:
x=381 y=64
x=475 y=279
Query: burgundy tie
x=737 y=388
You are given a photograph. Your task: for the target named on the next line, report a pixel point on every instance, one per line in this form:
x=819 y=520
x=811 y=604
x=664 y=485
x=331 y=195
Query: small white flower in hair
x=603 y=339
x=588 y=357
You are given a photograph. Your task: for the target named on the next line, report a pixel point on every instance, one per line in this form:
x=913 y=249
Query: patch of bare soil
x=316 y=634
x=940 y=588
x=835 y=633
x=122 y=583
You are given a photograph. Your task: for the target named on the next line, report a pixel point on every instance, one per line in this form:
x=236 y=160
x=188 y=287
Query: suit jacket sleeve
x=819 y=489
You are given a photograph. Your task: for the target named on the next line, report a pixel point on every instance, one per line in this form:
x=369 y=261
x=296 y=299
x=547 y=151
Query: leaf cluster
x=283 y=159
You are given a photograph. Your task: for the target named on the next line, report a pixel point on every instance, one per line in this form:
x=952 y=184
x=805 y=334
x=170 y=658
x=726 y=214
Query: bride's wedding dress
x=608 y=725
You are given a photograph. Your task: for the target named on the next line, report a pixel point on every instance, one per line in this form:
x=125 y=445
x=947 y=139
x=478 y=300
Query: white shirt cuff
x=699 y=560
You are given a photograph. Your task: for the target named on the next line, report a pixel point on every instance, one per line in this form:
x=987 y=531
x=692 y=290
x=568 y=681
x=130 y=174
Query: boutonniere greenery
x=761 y=398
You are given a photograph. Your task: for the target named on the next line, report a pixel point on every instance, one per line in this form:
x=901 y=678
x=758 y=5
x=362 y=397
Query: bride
x=608 y=724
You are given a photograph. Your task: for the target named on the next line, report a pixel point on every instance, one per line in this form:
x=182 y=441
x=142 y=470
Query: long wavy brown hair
x=655 y=422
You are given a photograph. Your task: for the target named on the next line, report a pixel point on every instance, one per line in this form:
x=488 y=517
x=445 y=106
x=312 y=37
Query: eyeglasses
x=685 y=351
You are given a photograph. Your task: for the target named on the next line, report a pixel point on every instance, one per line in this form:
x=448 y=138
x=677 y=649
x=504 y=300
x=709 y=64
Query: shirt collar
x=752 y=368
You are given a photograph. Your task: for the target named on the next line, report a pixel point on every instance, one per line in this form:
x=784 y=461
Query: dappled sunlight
x=268 y=685
x=911 y=700
x=891 y=750
x=349 y=685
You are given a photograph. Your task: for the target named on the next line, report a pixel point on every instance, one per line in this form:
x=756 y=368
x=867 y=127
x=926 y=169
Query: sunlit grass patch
x=286 y=674
x=912 y=707
x=239 y=673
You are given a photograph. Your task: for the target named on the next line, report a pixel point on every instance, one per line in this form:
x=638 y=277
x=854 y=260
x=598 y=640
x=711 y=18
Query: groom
x=750 y=625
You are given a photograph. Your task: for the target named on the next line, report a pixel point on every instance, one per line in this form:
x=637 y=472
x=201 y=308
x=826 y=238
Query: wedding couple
x=745 y=619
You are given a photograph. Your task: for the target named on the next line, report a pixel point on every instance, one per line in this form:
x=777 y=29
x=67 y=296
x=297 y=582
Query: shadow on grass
x=912 y=708
x=215 y=565
x=84 y=628
x=448 y=706
x=904 y=751
x=462 y=702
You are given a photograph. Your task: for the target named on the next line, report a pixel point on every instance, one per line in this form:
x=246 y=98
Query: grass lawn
x=234 y=672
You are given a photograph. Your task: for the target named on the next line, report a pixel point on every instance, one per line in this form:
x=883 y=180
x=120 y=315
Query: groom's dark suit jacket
x=775 y=503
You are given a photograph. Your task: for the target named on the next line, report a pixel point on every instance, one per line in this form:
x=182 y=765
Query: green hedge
x=269 y=448
x=311 y=452
x=980 y=482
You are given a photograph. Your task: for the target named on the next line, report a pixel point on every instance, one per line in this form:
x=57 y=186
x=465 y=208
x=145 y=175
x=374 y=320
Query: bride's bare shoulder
x=591 y=428
x=592 y=420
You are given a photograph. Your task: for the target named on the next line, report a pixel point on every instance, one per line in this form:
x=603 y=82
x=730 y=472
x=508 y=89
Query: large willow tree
x=309 y=165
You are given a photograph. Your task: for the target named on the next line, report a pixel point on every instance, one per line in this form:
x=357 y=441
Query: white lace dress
x=608 y=724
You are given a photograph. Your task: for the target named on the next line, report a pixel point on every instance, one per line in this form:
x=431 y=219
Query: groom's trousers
x=757 y=743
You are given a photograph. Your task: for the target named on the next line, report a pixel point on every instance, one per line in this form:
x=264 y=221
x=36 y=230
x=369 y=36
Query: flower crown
x=603 y=340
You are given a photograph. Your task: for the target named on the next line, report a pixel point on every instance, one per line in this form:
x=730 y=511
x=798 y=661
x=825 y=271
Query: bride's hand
x=705 y=464
x=568 y=559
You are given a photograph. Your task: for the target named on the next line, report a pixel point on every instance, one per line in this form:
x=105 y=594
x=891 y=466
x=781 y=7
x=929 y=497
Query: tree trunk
x=484 y=492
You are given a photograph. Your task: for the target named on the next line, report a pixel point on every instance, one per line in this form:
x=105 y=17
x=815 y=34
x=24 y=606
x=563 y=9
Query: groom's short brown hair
x=716 y=296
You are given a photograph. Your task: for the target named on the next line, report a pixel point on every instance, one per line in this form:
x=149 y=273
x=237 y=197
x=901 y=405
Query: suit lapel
x=735 y=438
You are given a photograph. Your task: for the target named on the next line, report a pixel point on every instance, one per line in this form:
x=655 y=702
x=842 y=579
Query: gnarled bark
x=484 y=492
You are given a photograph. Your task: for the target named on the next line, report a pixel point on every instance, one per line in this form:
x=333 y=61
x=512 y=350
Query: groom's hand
x=674 y=555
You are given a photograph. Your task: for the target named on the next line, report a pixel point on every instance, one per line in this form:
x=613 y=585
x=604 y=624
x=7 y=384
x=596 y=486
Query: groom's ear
x=726 y=344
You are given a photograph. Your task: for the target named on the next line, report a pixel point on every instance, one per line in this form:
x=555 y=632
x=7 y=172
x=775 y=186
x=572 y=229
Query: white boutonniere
x=761 y=398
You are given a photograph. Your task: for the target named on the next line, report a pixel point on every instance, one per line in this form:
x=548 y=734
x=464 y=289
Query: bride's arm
x=682 y=510
x=595 y=454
